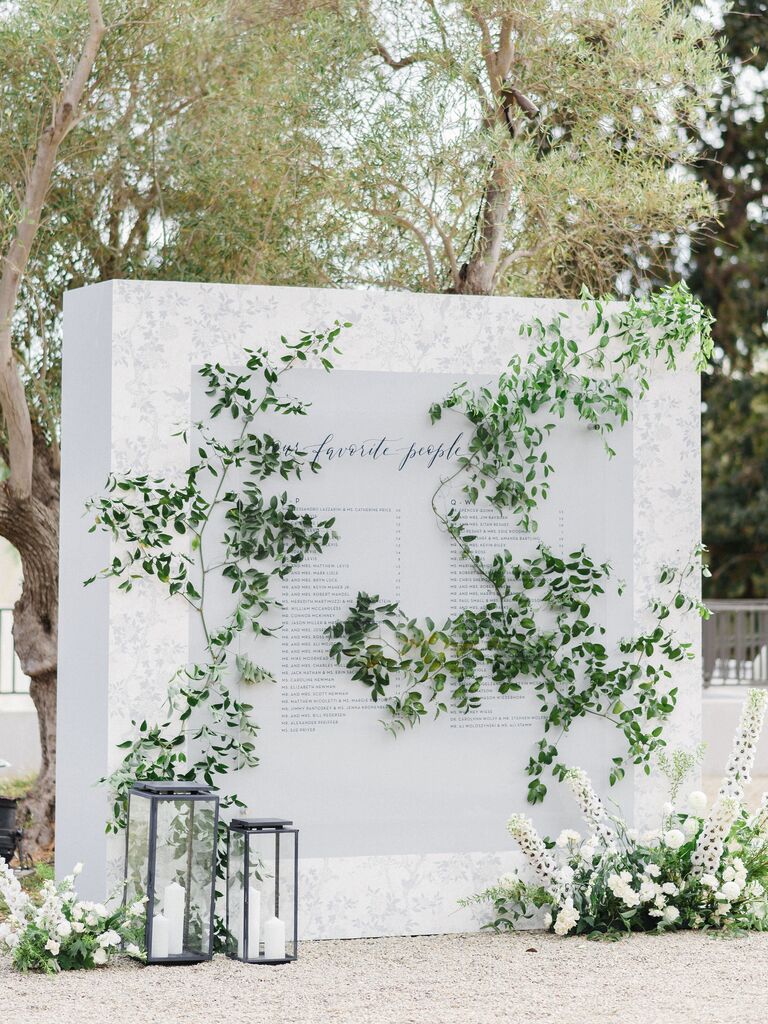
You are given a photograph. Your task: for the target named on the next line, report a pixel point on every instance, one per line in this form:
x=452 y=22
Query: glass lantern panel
x=186 y=839
x=235 y=886
x=272 y=893
x=137 y=852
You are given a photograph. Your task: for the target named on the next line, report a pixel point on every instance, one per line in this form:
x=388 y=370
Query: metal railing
x=12 y=679
x=735 y=643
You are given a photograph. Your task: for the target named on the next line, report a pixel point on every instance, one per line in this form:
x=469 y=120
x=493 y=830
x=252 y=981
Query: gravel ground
x=459 y=979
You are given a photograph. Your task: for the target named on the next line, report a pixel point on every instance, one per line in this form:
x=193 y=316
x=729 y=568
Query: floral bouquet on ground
x=62 y=933
x=699 y=870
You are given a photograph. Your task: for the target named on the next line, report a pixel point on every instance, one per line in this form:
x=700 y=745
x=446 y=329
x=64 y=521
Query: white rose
x=547 y=920
x=64 y=929
x=670 y=915
x=710 y=881
x=110 y=938
x=133 y=950
x=91 y=920
x=670 y=889
x=674 y=839
x=100 y=910
x=731 y=890
x=729 y=874
x=77 y=912
x=100 y=956
x=697 y=801
x=78 y=926
x=53 y=947
x=653 y=870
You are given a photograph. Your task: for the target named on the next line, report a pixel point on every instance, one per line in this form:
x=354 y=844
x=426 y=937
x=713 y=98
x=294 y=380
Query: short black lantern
x=262 y=890
x=170 y=862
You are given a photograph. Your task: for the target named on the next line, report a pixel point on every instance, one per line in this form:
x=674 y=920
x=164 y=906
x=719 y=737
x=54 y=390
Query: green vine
x=507 y=465
x=162 y=531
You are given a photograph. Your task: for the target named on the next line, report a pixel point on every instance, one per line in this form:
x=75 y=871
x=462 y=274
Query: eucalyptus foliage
x=162 y=530
x=540 y=624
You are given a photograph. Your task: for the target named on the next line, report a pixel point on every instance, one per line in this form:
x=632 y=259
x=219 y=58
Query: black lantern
x=170 y=862
x=262 y=890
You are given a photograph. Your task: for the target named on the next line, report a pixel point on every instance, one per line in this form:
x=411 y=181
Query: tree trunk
x=479 y=275
x=32 y=526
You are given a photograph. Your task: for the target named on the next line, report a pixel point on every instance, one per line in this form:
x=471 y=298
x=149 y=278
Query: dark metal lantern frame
x=281 y=829
x=173 y=792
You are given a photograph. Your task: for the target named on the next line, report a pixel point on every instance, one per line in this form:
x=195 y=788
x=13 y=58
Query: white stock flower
x=100 y=910
x=138 y=908
x=697 y=802
x=648 y=890
x=565 y=874
x=53 y=947
x=100 y=956
x=520 y=827
x=674 y=839
x=667 y=809
x=619 y=884
x=653 y=870
x=590 y=804
x=78 y=926
x=64 y=929
x=568 y=835
x=567 y=918
x=133 y=950
x=91 y=920
x=77 y=869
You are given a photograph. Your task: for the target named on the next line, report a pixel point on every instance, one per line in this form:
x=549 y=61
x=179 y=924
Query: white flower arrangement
x=697 y=871
x=60 y=932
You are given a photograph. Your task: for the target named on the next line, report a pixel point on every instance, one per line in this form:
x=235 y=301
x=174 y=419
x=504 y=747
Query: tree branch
x=13 y=401
x=404 y=62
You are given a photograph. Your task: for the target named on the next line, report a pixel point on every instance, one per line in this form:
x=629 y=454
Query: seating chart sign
x=393 y=830
x=449 y=784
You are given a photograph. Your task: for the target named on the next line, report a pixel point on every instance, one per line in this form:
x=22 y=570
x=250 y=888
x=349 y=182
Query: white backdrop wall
x=130 y=357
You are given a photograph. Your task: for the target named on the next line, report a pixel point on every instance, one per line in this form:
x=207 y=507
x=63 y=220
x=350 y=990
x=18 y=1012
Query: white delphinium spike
x=709 y=849
x=738 y=771
x=521 y=828
x=591 y=805
x=759 y=820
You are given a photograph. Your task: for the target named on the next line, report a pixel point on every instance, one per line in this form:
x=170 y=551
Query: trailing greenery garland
x=559 y=646
x=162 y=530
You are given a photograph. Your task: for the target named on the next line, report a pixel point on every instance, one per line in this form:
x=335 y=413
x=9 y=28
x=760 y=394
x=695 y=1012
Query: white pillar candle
x=254 y=921
x=274 y=939
x=174 y=900
x=159 y=937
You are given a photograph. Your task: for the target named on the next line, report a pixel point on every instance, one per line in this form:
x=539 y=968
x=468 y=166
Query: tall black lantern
x=262 y=890
x=170 y=861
